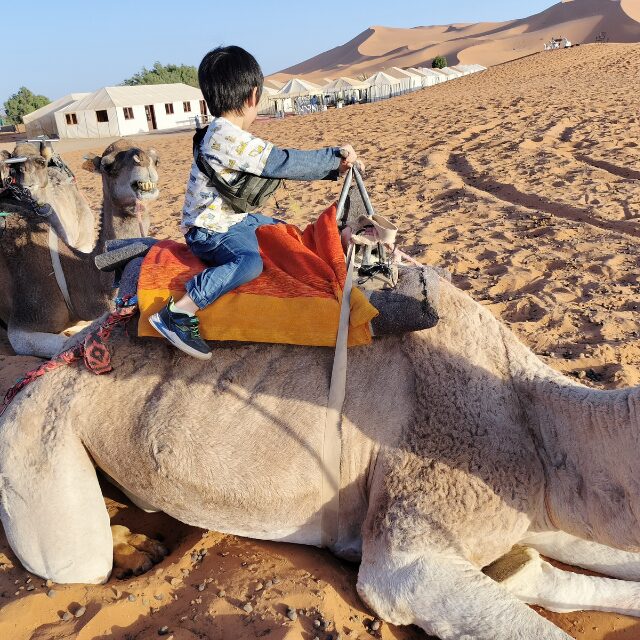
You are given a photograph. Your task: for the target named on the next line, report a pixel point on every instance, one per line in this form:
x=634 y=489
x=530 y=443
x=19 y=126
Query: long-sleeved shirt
x=231 y=151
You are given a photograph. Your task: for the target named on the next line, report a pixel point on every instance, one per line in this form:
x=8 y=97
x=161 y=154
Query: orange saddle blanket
x=296 y=299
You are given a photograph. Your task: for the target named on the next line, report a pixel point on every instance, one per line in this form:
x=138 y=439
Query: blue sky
x=54 y=48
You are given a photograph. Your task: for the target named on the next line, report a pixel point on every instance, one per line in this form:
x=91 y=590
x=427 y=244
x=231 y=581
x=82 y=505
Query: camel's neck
x=589 y=442
x=117 y=222
x=73 y=221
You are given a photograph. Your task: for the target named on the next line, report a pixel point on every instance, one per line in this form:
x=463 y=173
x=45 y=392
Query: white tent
x=415 y=78
x=342 y=84
x=127 y=110
x=388 y=83
x=276 y=85
x=435 y=74
x=451 y=73
x=43 y=121
x=298 y=87
x=265 y=106
x=428 y=76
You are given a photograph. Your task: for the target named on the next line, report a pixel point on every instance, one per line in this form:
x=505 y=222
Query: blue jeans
x=234 y=257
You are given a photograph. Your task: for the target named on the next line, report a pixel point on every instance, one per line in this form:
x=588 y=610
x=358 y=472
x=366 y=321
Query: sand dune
x=483 y=43
x=524 y=182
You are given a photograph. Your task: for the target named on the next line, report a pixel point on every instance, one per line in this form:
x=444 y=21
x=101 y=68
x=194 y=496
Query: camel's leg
x=527 y=576
x=51 y=506
x=588 y=555
x=34 y=343
x=446 y=596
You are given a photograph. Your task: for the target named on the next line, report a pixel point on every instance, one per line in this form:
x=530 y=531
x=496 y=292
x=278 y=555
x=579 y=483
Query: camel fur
x=457 y=444
x=31 y=299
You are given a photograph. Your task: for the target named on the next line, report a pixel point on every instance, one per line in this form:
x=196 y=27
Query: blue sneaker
x=182 y=331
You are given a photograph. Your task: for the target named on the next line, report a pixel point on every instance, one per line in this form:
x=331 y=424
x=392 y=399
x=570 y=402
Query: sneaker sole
x=172 y=337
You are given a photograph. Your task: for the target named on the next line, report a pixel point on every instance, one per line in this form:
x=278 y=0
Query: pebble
x=80 y=612
x=66 y=616
x=163 y=631
x=248 y=608
x=316 y=624
x=259 y=586
x=159 y=596
x=49 y=583
x=30 y=587
x=51 y=593
x=276 y=580
x=292 y=614
x=174 y=582
x=222 y=593
x=201 y=586
x=375 y=625
x=131 y=597
x=268 y=584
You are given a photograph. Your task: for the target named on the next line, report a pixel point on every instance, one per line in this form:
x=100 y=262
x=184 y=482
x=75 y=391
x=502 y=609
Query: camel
x=463 y=458
x=34 y=304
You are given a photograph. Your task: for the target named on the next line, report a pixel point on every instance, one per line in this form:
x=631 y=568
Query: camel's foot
x=134 y=553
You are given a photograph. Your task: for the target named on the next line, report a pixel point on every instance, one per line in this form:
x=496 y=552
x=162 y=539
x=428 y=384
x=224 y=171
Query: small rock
x=80 y=612
x=66 y=616
x=316 y=624
x=51 y=593
x=259 y=586
x=292 y=614
x=375 y=625
x=30 y=587
x=28 y=580
x=174 y=582
x=222 y=593
x=248 y=608
x=268 y=584
x=117 y=593
x=201 y=586
x=163 y=631
x=159 y=596
x=276 y=580
x=131 y=597
x=49 y=583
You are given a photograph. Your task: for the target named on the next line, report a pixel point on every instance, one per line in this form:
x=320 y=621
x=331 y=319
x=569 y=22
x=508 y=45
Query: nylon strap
x=57 y=268
x=332 y=440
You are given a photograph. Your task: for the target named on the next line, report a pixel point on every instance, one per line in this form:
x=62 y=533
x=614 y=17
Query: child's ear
x=253 y=98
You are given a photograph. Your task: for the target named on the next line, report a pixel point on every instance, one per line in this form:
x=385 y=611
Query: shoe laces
x=194 y=328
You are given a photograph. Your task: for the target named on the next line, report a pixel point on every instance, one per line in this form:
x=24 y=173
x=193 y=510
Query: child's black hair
x=227 y=76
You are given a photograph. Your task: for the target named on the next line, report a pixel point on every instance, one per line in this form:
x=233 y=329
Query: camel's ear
x=4 y=155
x=43 y=162
x=154 y=156
x=91 y=162
x=46 y=150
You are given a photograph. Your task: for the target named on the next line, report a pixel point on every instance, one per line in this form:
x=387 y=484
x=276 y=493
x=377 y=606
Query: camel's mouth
x=145 y=190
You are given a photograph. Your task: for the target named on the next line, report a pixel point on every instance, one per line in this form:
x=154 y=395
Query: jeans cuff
x=195 y=295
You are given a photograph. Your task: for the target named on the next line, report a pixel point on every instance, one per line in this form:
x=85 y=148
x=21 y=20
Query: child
x=219 y=231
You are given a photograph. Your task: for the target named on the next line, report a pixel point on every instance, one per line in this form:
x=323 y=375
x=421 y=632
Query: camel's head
x=129 y=174
x=28 y=167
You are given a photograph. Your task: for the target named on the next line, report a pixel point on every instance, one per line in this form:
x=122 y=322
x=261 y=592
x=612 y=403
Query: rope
x=92 y=350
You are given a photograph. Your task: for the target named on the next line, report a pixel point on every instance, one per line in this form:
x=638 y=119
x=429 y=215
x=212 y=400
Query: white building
x=42 y=122
x=128 y=110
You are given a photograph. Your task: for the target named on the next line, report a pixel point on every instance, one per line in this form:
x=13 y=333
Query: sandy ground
x=524 y=183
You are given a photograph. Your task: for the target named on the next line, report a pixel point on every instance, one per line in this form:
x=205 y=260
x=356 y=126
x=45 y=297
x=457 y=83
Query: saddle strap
x=332 y=440
x=57 y=268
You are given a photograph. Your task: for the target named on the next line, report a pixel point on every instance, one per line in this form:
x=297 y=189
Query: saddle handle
x=353 y=171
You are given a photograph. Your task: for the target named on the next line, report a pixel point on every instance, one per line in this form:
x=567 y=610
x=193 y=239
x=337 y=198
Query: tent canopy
x=298 y=87
x=128 y=96
x=52 y=107
x=343 y=83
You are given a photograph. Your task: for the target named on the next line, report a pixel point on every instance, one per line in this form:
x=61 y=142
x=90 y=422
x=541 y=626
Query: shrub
x=439 y=62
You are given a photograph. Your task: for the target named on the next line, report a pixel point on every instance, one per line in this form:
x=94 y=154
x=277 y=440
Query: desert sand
x=486 y=43
x=524 y=182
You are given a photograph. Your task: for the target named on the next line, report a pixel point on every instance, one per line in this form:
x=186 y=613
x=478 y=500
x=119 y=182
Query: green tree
x=165 y=74
x=439 y=62
x=21 y=103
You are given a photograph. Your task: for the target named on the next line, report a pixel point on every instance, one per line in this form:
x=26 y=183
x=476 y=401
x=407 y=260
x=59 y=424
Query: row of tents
x=288 y=97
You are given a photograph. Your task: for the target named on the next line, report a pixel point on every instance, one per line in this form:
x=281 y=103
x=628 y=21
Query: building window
x=187 y=107
x=128 y=113
x=203 y=108
x=168 y=107
x=71 y=118
x=102 y=115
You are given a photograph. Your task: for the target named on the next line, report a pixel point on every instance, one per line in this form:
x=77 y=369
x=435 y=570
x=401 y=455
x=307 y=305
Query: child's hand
x=349 y=159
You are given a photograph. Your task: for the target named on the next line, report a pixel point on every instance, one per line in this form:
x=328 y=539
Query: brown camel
x=35 y=302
